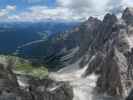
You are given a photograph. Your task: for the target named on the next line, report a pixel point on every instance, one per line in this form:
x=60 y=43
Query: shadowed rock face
x=128 y=15
x=130 y=97
x=111 y=42
x=10 y=89
x=113 y=48
x=44 y=90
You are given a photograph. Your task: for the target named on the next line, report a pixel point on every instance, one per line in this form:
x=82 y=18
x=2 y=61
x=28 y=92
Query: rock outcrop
x=29 y=88
x=113 y=51
x=128 y=16
x=110 y=44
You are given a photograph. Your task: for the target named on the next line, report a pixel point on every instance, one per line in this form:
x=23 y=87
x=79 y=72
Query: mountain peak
x=128 y=15
x=109 y=18
x=92 y=18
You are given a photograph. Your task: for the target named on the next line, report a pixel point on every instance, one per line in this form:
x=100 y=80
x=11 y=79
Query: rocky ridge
x=22 y=87
x=112 y=47
x=110 y=43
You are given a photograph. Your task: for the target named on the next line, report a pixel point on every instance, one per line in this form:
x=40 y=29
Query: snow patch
x=83 y=89
x=130 y=41
x=23 y=82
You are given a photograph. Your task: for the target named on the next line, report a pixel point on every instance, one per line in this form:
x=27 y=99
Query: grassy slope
x=24 y=67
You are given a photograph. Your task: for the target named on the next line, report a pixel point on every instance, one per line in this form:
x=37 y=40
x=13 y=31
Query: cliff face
x=107 y=48
x=21 y=87
x=110 y=44
x=113 y=51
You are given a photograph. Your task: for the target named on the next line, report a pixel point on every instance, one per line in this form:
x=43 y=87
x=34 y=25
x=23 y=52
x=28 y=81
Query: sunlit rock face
x=114 y=56
x=101 y=67
x=111 y=48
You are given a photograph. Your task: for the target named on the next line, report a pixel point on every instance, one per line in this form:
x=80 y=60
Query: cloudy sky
x=70 y=10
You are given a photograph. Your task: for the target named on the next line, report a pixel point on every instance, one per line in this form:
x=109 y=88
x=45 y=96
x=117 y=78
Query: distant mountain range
x=70 y=42
x=17 y=34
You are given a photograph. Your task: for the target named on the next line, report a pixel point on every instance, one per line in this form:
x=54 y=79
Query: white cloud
x=69 y=10
x=88 y=8
x=10 y=8
x=128 y=3
x=4 y=13
x=38 y=13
